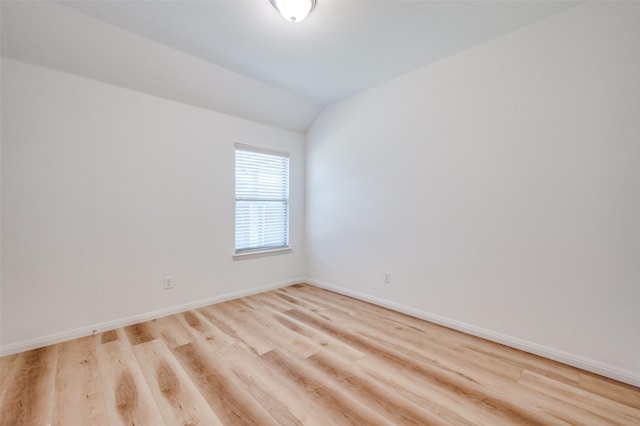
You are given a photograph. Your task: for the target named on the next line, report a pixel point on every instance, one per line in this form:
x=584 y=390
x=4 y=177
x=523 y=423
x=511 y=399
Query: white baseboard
x=52 y=339
x=607 y=370
x=578 y=361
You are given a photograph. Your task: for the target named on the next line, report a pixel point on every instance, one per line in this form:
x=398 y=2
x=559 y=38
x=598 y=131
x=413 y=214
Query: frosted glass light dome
x=294 y=10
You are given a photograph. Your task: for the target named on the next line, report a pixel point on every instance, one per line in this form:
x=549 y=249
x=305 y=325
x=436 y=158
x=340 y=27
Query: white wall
x=105 y=191
x=500 y=187
x=49 y=34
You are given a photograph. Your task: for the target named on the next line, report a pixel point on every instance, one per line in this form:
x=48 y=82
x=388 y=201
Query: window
x=262 y=199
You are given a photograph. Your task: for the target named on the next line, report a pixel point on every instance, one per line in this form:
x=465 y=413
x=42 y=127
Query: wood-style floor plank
x=78 y=397
x=251 y=377
x=227 y=326
x=332 y=397
x=272 y=390
x=128 y=399
x=395 y=379
x=602 y=407
x=202 y=329
x=28 y=399
x=171 y=330
x=392 y=406
x=300 y=355
x=9 y=367
x=178 y=399
x=611 y=389
x=222 y=390
x=322 y=340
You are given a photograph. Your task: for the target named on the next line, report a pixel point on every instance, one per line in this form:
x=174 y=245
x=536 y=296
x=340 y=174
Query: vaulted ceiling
x=240 y=57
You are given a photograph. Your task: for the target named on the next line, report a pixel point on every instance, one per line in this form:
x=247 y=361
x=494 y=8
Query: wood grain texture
x=28 y=399
x=78 y=397
x=300 y=355
x=9 y=367
x=224 y=393
x=171 y=331
x=203 y=329
x=178 y=399
x=128 y=399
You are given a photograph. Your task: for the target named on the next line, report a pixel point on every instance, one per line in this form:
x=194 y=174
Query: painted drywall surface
x=106 y=191
x=48 y=34
x=500 y=187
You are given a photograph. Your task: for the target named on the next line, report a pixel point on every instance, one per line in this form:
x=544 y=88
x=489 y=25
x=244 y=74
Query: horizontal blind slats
x=262 y=200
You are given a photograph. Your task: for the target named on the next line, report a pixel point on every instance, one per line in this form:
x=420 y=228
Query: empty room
x=320 y=212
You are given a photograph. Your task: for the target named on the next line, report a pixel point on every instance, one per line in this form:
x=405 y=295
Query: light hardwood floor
x=300 y=355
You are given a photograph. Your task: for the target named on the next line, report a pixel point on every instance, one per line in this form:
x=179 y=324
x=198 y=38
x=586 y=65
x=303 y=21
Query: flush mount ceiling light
x=294 y=10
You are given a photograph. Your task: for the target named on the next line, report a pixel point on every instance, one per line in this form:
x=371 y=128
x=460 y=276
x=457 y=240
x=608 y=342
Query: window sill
x=261 y=253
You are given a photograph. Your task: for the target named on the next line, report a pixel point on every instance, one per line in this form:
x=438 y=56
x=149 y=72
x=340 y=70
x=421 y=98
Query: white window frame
x=268 y=248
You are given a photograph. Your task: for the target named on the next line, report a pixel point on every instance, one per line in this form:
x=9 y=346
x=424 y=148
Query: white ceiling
x=342 y=48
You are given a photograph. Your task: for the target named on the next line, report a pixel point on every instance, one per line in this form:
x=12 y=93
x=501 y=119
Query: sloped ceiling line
x=241 y=58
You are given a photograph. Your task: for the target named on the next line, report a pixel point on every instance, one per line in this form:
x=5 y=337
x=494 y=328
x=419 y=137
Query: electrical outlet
x=387 y=277
x=168 y=283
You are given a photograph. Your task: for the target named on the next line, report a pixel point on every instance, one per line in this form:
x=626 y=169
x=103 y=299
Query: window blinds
x=262 y=199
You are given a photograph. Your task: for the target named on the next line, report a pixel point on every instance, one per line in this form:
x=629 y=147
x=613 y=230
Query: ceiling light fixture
x=294 y=10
